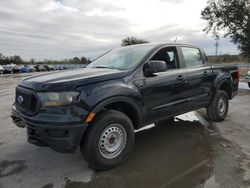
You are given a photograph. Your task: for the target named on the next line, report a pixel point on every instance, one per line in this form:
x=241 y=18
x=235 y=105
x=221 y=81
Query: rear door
x=199 y=77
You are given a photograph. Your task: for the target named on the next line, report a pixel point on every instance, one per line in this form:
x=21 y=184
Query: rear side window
x=192 y=56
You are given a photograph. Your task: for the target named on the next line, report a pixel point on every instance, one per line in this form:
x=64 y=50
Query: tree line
x=225 y=18
x=229 y=18
x=16 y=59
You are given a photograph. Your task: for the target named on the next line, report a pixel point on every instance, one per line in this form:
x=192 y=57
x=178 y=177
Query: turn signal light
x=90 y=117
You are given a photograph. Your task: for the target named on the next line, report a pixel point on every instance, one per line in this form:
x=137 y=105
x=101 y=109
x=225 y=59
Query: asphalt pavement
x=191 y=152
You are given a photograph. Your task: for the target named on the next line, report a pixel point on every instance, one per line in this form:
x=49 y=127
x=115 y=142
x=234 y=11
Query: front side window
x=168 y=55
x=192 y=56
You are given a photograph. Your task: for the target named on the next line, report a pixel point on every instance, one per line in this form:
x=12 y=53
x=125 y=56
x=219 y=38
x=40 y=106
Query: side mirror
x=155 y=66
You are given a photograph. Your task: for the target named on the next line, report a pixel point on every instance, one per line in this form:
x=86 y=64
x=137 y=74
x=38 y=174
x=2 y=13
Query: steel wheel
x=222 y=105
x=218 y=107
x=109 y=140
x=112 y=141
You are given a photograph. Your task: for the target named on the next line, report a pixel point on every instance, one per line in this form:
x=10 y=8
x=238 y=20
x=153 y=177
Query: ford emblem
x=20 y=99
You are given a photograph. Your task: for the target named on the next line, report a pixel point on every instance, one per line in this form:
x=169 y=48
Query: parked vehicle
x=99 y=107
x=17 y=69
x=27 y=69
x=9 y=69
x=60 y=68
x=49 y=67
x=248 y=78
x=1 y=69
x=39 y=68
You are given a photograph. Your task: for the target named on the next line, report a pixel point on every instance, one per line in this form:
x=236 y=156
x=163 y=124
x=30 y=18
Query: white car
x=248 y=78
x=1 y=69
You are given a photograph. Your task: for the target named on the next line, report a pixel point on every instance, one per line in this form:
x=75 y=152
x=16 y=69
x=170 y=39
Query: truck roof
x=164 y=44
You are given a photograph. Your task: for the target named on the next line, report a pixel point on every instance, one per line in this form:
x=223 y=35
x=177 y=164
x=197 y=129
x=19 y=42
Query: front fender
x=95 y=96
x=124 y=99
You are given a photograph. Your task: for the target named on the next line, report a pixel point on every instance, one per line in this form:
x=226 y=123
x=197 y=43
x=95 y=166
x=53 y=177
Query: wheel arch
x=125 y=105
x=226 y=86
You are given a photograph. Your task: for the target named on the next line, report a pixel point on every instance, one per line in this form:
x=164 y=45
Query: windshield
x=122 y=58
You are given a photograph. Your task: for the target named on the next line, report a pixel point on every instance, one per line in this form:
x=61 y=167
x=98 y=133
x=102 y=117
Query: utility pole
x=216 y=48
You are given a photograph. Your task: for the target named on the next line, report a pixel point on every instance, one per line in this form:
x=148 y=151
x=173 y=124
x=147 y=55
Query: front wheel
x=108 y=141
x=218 y=108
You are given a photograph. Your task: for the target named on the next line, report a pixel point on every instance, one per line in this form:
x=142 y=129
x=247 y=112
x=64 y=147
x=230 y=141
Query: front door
x=164 y=93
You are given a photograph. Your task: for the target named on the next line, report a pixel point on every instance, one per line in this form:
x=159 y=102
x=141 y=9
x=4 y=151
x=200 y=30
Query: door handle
x=180 y=78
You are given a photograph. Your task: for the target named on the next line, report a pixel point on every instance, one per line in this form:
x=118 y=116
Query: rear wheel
x=108 y=141
x=218 y=108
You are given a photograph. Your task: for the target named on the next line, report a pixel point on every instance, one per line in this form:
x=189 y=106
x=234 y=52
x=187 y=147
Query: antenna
x=176 y=39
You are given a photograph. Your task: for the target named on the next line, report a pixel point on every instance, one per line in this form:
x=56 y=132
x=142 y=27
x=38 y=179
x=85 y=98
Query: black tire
x=249 y=84
x=216 y=111
x=165 y=122
x=93 y=139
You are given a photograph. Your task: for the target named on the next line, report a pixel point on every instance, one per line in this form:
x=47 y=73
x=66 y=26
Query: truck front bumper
x=60 y=137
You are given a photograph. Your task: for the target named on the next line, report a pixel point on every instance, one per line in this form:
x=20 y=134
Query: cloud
x=58 y=6
x=58 y=29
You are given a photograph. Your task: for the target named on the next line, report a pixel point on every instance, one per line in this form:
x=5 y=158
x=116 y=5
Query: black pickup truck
x=99 y=107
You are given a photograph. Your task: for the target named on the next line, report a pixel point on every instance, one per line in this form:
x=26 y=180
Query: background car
x=49 y=67
x=60 y=68
x=1 y=69
x=17 y=69
x=39 y=68
x=27 y=69
x=8 y=69
x=248 y=78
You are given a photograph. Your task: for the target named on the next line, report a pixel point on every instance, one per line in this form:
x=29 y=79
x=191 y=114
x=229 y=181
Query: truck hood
x=69 y=80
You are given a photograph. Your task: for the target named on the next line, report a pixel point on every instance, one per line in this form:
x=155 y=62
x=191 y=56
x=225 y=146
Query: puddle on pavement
x=172 y=156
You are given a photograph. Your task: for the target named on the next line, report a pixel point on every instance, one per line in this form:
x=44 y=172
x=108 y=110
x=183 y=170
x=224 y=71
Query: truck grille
x=26 y=100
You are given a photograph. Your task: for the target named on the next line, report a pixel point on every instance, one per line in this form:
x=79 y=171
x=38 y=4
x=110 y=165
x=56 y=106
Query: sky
x=59 y=29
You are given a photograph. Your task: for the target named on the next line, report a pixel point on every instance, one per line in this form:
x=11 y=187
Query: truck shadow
x=170 y=155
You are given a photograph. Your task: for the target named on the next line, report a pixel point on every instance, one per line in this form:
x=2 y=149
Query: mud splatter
x=8 y=168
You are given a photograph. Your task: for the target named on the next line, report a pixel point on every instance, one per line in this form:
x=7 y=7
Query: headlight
x=51 y=99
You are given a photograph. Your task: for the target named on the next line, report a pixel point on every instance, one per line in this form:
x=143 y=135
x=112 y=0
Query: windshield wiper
x=102 y=67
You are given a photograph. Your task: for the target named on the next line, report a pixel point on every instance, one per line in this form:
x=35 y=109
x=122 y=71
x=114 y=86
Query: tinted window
x=192 y=56
x=168 y=55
